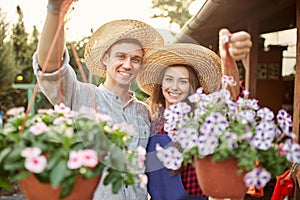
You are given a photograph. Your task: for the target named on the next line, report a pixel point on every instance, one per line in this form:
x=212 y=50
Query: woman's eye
x=183 y=82
x=168 y=80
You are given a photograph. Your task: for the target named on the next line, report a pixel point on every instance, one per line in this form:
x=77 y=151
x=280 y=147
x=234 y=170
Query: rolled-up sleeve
x=49 y=82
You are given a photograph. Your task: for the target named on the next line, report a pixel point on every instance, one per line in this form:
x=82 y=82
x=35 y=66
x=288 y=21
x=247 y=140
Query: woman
x=173 y=73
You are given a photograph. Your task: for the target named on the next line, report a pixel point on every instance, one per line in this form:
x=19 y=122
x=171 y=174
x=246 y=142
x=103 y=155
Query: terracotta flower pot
x=35 y=190
x=220 y=179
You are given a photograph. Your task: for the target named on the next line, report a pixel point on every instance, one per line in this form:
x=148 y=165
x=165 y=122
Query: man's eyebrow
x=136 y=56
x=120 y=52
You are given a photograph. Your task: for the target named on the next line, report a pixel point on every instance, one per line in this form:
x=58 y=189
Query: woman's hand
x=233 y=47
x=237 y=44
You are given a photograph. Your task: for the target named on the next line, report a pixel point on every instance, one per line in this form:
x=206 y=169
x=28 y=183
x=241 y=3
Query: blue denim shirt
x=76 y=94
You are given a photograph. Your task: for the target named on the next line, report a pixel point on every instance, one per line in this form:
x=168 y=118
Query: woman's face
x=175 y=84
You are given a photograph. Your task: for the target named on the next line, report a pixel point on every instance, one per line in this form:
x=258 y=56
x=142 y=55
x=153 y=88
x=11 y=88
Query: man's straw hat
x=112 y=32
x=204 y=61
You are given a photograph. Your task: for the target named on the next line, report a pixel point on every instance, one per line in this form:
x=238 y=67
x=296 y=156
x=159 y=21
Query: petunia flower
x=36 y=164
x=187 y=137
x=15 y=111
x=61 y=120
x=39 y=128
x=207 y=144
x=258 y=177
x=141 y=156
x=215 y=123
x=265 y=134
x=265 y=114
x=31 y=152
x=284 y=119
x=125 y=127
x=228 y=81
x=143 y=180
x=170 y=157
x=291 y=150
x=89 y=158
x=65 y=110
x=75 y=160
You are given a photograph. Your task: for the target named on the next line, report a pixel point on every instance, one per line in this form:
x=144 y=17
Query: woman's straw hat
x=112 y=32
x=204 y=61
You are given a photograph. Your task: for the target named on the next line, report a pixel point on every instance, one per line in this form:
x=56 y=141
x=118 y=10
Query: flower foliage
x=219 y=127
x=58 y=145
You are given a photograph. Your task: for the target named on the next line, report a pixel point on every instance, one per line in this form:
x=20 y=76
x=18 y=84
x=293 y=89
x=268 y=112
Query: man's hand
x=59 y=6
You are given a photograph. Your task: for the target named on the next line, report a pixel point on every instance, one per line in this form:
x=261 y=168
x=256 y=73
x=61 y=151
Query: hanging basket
x=35 y=190
x=220 y=179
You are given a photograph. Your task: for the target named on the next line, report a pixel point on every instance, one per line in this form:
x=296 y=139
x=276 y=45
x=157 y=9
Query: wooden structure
x=255 y=16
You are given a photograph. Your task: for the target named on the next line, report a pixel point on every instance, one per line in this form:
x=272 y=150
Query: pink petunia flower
x=31 y=152
x=15 y=111
x=103 y=117
x=69 y=132
x=143 y=180
x=75 y=160
x=89 y=157
x=47 y=111
x=39 y=128
x=126 y=127
x=141 y=156
x=61 y=108
x=36 y=164
x=60 y=120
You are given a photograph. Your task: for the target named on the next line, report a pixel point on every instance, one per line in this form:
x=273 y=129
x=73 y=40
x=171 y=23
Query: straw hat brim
x=204 y=61
x=113 y=31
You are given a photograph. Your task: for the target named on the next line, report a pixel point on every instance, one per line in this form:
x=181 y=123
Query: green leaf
x=116 y=186
x=58 y=173
x=53 y=159
x=14 y=165
x=112 y=176
x=21 y=175
x=67 y=186
x=4 y=153
x=95 y=172
x=15 y=154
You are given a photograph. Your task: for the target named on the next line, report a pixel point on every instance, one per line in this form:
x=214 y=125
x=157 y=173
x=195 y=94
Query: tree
x=19 y=39
x=176 y=10
x=7 y=61
x=8 y=71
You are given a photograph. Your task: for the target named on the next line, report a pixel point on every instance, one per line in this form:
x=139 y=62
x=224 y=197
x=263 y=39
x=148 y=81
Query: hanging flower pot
x=220 y=179
x=34 y=190
x=55 y=146
x=216 y=126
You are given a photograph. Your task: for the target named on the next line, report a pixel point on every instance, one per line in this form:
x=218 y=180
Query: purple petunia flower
x=258 y=177
x=170 y=157
x=284 y=119
x=292 y=151
x=265 y=134
x=187 y=137
x=215 y=123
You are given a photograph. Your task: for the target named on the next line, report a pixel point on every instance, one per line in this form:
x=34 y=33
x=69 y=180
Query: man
x=115 y=51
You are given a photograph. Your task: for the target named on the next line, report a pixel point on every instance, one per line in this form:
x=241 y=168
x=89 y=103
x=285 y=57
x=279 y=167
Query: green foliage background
x=17 y=48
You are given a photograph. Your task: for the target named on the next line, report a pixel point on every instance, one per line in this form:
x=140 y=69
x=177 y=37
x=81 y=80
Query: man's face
x=123 y=63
